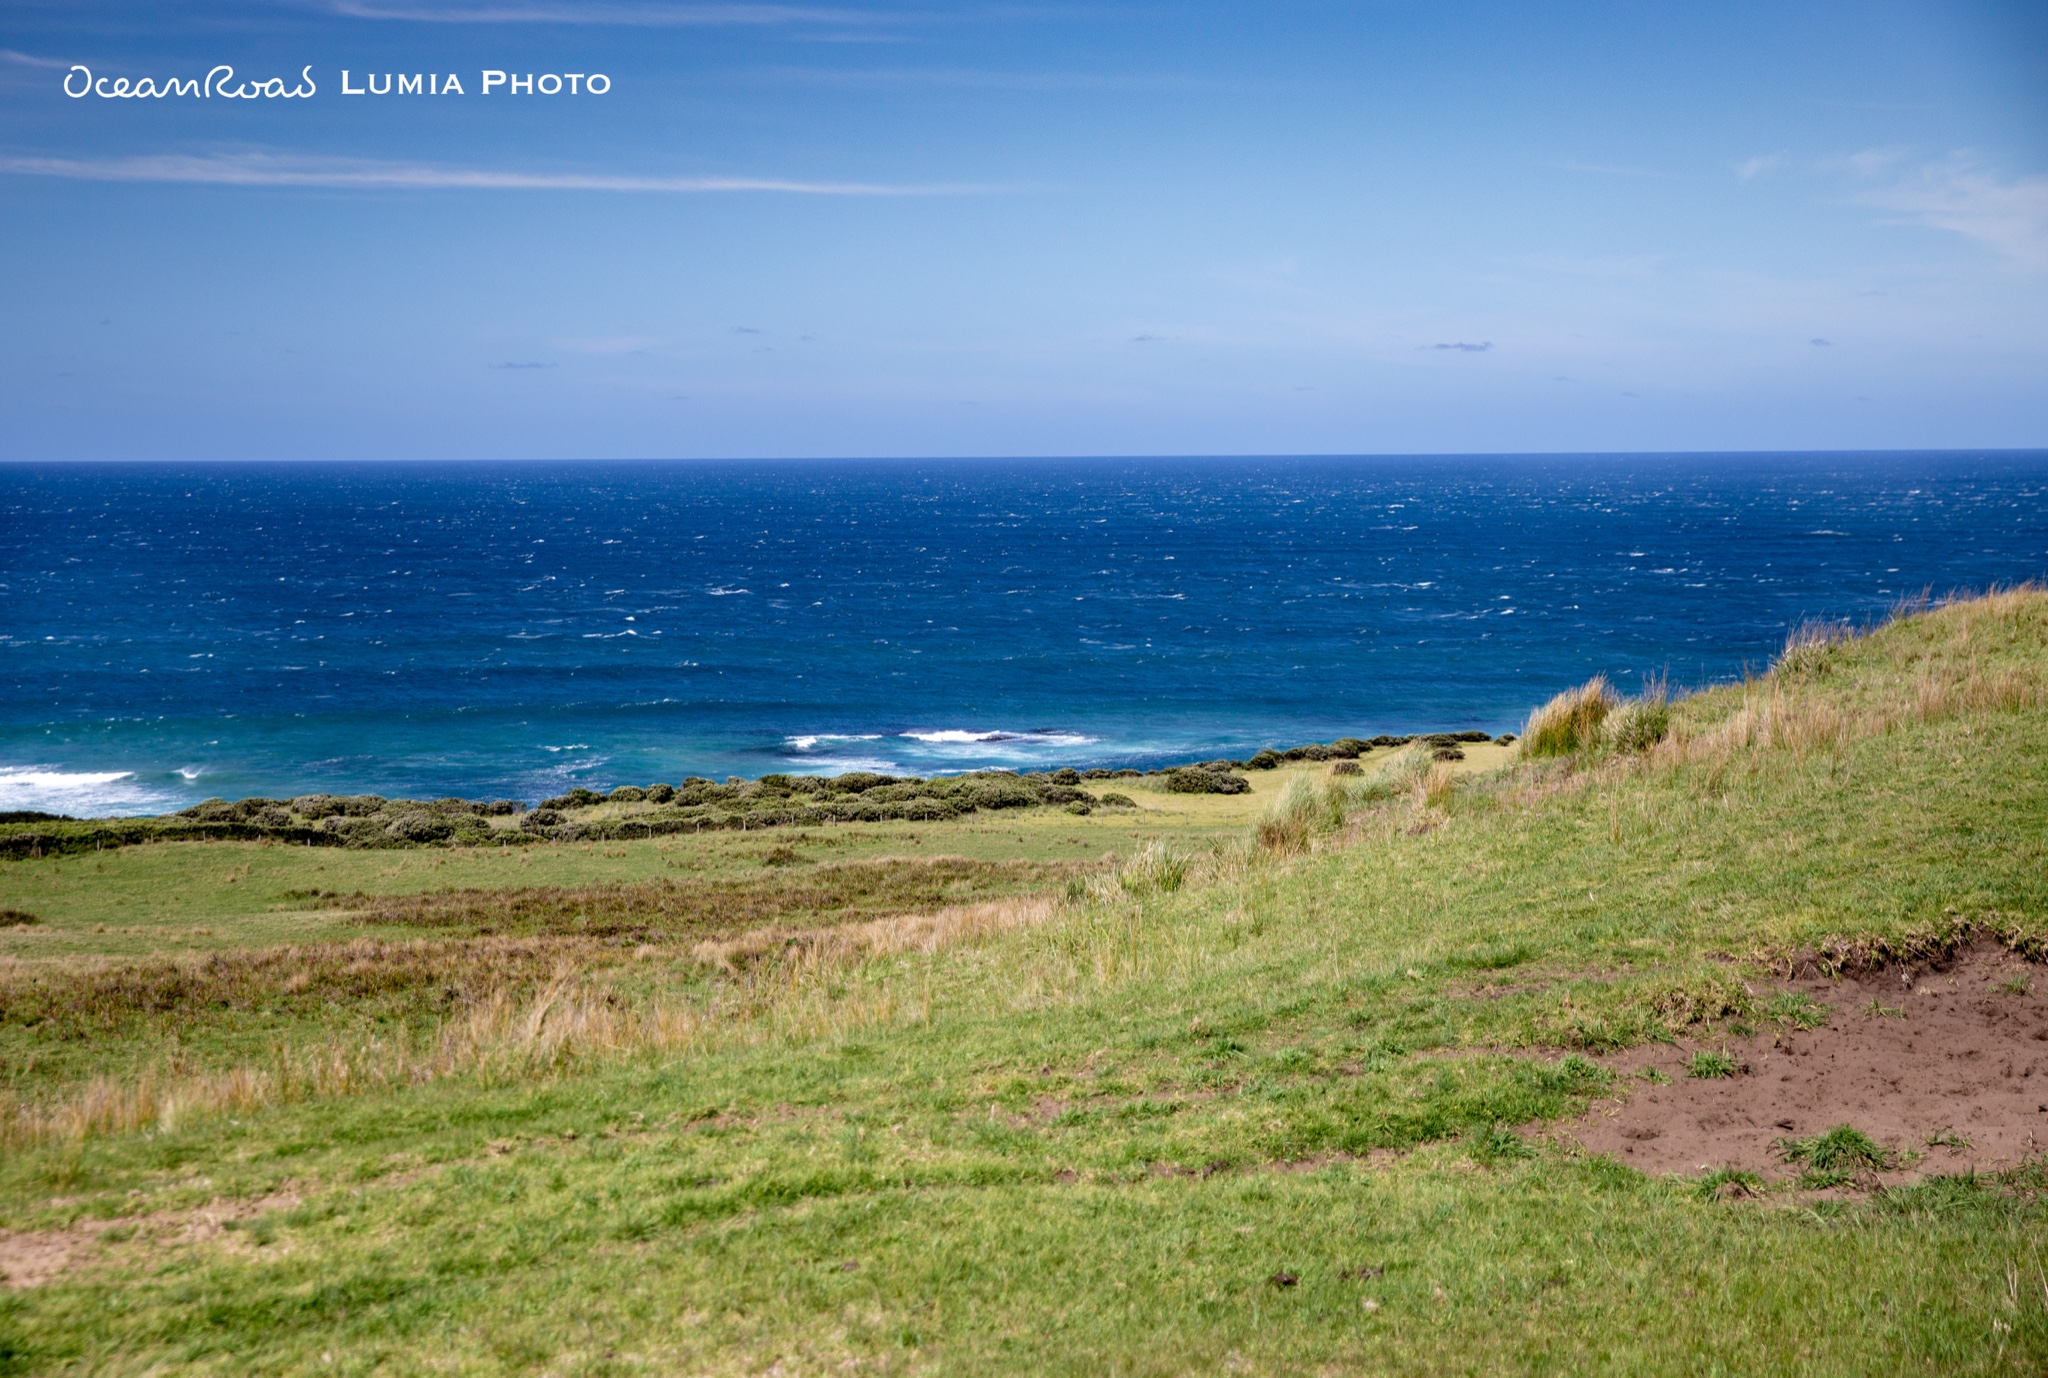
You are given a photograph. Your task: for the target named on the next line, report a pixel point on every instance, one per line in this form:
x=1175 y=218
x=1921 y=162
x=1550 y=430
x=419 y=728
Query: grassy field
x=1258 y=1083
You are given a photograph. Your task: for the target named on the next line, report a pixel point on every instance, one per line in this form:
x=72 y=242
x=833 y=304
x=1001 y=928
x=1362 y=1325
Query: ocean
x=172 y=632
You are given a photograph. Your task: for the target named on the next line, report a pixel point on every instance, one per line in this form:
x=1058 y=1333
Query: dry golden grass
x=1938 y=675
x=1570 y=722
x=695 y=906
x=523 y=1029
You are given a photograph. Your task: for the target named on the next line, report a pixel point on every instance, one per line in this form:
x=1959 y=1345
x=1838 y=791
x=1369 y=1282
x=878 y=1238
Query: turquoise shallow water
x=170 y=632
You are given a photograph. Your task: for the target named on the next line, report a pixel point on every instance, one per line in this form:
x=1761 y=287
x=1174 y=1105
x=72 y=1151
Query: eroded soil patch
x=1946 y=1063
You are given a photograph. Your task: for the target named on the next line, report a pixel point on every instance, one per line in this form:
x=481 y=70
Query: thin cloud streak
x=273 y=170
x=30 y=60
x=1960 y=195
x=638 y=16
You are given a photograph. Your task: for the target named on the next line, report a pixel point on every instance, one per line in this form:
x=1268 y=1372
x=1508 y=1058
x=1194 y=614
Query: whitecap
x=826 y=765
x=89 y=793
x=726 y=593
x=809 y=742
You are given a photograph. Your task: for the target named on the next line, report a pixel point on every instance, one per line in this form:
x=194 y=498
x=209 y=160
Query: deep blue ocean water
x=170 y=632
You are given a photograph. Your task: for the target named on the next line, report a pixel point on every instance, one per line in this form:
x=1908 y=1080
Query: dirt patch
x=32 y=1258
x=1945 y=1062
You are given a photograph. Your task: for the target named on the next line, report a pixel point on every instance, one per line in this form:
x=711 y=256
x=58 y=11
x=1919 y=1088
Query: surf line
x=218 y=82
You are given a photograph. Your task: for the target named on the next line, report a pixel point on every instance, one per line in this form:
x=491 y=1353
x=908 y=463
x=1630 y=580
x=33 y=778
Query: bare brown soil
x=1944 y=1061
x=34 y=1257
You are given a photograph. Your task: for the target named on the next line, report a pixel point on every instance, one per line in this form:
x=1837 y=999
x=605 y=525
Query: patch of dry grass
x=645 y=910
x=1570 y=722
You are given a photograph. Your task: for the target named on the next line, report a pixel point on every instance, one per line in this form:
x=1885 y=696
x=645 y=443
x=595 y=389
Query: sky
x=930 y=229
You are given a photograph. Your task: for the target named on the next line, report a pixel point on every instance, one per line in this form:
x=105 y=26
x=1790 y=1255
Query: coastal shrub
x=860 y=781
x=1098 y=773
x=274 y=817
x=1065 y=777
x=627 y=794
x=1081 y=806
x=1506 y=739
x=501 y=808
x=1114 y=800
x=660 y=794
x=776 y=784
x=1350 y=747
x=211 y=811
x=1384 y=740
x=541 y=819
x=1346 y=767
x=1196 y=780
x=1267 y=759
x=1444 y=746
x=417 y=826
x=998 y=790
x=1570 y=722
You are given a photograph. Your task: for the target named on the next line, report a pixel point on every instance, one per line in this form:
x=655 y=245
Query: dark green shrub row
x=369 y=820
x=1203 y=780
x=313 y=820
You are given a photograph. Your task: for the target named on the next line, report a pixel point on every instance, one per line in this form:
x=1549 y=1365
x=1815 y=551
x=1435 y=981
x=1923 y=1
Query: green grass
x=1837 y=1156
x=1088 y=1142
x=1712 y=1062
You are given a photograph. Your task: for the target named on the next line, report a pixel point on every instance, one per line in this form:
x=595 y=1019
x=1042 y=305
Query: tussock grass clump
x=1810 y=649
x=1570 y=723
x=1304 y=808
x=1640 y=723
x=1840 y=1155
x=1434 y=786
x=1157 y=870
x=1709 y=1063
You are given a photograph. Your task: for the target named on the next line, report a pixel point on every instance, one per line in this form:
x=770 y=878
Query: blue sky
x=933 y=229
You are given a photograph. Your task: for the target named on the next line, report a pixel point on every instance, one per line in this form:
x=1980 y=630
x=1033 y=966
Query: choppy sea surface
x=170 y=632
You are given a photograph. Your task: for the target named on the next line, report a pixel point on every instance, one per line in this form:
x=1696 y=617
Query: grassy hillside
x=1275 y=1088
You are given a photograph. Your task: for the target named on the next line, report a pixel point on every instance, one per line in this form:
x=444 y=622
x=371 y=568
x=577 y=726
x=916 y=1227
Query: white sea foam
x=830 y=765
x=76 y=792
x=810 y=743
x=960 y=737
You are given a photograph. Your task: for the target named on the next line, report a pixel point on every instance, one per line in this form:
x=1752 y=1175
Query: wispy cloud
x=609 y=344
x=30 y=60
x=1750 y=168
x=1613 y=169
x=981 y=79
x=1465 y=346
x=1962 y=195
x=286 y=170
x=640 y=16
